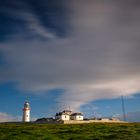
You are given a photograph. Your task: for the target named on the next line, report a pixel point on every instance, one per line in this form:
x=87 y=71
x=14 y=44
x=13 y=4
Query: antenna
x=27 y=99
x=123 y=108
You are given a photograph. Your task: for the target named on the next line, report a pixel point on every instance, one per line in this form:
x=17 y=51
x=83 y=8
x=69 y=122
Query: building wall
x=90 y=121
x=77 y=117
x=105 y=119
x=63 y=117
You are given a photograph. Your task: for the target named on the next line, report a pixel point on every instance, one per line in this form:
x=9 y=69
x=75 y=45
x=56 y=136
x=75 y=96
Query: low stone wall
x=51 y=122
x=80 y=122
x=91 y=121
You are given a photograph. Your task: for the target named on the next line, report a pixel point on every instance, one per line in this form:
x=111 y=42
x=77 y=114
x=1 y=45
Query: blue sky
x=46 y=105
x=82 y=55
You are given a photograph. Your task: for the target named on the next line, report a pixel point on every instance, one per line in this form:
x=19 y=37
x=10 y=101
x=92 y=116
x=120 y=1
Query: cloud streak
x=98 y=60
x=4 y=117
x=24 y=13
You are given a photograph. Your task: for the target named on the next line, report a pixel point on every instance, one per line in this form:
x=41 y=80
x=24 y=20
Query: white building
x=68 y=115
x=77 y=116
x=65 y=115
x=26 y=112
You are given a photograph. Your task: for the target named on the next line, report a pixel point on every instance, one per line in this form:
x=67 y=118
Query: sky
x=79 y=55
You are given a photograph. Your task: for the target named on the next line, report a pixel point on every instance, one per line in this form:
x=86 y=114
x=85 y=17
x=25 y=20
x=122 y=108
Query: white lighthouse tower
x=26 y=112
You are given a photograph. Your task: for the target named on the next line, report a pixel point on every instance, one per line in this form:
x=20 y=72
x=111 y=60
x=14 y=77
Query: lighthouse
x=26 y=112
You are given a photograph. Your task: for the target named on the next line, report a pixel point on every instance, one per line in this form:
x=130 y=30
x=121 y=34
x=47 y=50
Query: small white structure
x=64 y=115
x=67 y=115
x=77 y=116
x=115 y=119
x=105 y=119
x=26 y=112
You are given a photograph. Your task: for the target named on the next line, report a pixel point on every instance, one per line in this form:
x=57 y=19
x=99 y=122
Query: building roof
x=68 y=112
x=78 y=113
x=26 y=105
x=65 y=112
x=62 y=113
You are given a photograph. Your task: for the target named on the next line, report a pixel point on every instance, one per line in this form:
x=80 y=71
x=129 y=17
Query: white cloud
x=4 y=117
x=25 y=13
x=99 y=60
x=35 y=26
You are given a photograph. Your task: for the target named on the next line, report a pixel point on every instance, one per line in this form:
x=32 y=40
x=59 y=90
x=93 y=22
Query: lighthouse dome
x=26 y=105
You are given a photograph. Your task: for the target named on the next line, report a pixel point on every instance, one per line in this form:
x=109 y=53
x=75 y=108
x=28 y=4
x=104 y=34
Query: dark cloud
x=43 y=18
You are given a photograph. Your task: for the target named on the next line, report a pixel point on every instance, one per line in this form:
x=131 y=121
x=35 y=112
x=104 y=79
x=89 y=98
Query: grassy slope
x=95 y=131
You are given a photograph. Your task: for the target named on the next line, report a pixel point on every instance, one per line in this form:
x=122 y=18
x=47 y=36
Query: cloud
x=35 y=25
x=98 y=60
x=4 y=117
x=34 y=19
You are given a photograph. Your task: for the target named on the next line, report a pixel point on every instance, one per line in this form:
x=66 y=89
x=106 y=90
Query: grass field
x=94 y=131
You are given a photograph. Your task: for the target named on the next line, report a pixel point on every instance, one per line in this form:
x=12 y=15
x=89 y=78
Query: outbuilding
x=77 y=116
x=65 y=115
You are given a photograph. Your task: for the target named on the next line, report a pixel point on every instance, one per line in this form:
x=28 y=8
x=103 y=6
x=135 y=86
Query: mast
x=123 y=108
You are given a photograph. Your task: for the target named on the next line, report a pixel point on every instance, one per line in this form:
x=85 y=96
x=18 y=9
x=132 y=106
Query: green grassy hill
x=94 y=131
